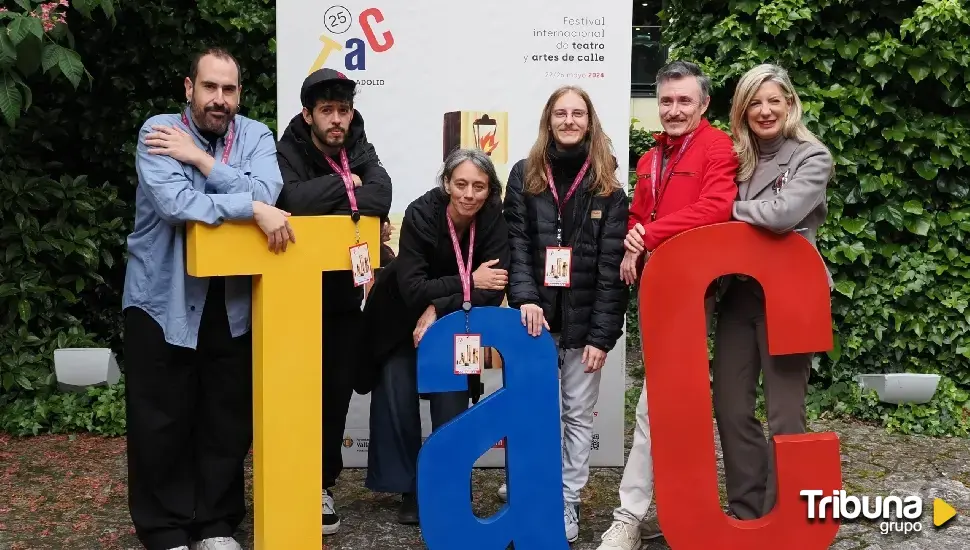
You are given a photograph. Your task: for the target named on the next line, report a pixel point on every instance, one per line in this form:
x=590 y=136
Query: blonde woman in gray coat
x=782 y=179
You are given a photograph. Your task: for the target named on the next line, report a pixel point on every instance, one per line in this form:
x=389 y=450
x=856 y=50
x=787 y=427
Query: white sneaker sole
x=636 y=546
x=331 y=529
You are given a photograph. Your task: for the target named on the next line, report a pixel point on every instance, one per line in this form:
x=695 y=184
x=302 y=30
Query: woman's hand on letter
x=426 y=320
x=533 y=319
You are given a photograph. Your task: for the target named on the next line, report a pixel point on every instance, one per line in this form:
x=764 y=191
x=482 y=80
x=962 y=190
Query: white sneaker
x=503 y=493
x=571 y=517
x=180 y=548
x=620 y=536
x=331 y=521
x=217 y=543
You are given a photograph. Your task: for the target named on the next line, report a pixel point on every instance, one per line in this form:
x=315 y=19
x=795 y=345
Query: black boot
x=407 y=514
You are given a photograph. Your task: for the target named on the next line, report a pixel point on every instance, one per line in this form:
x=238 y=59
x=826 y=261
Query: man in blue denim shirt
x=188 y=346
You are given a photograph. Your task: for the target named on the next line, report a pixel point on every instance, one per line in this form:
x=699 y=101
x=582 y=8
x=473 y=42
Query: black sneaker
x=331 y=521
x=407 y=514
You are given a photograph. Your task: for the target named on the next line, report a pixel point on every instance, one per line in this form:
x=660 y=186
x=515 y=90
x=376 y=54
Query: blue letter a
x=525 y=412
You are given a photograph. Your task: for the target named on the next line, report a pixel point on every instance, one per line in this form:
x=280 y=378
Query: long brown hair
x=602 y=166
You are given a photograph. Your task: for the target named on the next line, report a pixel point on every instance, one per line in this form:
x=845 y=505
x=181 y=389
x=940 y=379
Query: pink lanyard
x=230 y=137
x=344 y=172
x=464 y=271
x=656 y=177
x=569 y=193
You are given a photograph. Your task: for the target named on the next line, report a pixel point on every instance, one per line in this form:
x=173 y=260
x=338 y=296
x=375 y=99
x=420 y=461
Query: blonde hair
x=602 y=163
x=745 y=142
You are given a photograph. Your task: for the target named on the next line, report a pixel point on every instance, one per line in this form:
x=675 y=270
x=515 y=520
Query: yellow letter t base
x=287 y=347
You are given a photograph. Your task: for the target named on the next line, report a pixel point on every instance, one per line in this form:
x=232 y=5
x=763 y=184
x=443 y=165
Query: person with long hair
x=453 y=255
x=782 y=178
x=567 y=215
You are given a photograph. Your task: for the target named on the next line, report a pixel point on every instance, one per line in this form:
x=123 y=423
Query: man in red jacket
x=685 y=181
x=698 y=165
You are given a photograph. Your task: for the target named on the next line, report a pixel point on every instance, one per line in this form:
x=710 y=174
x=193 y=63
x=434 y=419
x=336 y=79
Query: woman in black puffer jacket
x=565 y=271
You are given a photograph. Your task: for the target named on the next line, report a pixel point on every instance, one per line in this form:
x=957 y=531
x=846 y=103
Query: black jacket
x=592 y=310
x=425 y=272
x=312 y=188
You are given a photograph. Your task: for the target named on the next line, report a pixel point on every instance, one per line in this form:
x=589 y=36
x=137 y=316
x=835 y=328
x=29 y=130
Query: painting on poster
x=475 y=81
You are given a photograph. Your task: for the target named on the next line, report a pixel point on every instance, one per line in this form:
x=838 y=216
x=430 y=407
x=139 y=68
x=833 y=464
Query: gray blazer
x=791 y=196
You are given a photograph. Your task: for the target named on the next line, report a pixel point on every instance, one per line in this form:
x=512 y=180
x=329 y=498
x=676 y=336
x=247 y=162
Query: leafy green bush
x=63 y=235
x=56 y=236
x=880 y=86
x=33 y=40
x=71 y=296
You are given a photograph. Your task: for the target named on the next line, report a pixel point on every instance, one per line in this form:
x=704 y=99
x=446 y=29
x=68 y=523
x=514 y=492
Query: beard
x=207 y=123
x=328 y=139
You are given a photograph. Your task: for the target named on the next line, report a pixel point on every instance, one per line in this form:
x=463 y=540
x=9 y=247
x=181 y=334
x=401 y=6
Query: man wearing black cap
x=329 y=168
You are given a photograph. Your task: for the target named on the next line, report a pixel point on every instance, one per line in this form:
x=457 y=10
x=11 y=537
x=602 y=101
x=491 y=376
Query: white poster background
x=502 y=56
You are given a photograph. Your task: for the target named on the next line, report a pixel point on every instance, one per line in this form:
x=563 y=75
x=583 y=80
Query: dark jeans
x=189 y=415
x=395 y=423
x=341 y=334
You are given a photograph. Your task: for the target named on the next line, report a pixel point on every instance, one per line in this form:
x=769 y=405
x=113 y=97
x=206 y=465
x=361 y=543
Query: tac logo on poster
x=352 y=38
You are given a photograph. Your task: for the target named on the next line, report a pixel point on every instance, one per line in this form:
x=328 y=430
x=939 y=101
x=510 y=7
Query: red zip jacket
x=700 y=191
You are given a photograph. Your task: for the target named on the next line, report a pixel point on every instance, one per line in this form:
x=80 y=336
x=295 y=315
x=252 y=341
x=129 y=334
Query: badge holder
x=559 y=258
x=468 y=349
x=360 y=257
x=359 y=252
x=559 y=263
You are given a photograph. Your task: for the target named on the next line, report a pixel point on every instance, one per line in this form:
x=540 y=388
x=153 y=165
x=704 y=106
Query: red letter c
x=369 y=32
x=798 y=315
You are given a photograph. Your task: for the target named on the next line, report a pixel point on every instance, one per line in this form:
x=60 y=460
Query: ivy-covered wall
x=884 y=85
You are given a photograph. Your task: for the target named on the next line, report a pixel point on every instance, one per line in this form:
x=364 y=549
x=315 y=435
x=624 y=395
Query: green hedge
x=885 y=86
x=67 y=182
x=879 y=85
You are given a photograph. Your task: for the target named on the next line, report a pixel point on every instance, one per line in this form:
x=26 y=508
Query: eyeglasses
x=561 y=113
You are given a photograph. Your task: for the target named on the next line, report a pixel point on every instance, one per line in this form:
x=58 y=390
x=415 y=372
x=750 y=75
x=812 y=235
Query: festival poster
x=435 y=74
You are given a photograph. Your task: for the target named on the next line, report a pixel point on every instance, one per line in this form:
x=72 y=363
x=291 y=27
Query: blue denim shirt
x=171 y=193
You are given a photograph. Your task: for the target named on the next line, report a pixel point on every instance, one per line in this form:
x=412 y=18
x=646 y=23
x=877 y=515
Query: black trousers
x=395 y=423
x=189 y=420
x=341 y=338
